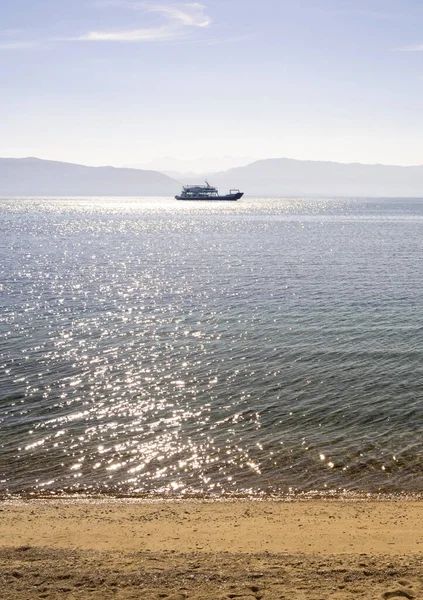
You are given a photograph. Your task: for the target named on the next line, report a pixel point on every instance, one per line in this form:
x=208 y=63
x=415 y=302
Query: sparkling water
x=268 y=346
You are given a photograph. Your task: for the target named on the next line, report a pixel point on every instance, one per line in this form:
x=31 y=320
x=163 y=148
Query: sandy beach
x=175 y=550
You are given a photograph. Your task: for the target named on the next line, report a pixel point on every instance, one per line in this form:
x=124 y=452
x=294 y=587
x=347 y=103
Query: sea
x=260 y=348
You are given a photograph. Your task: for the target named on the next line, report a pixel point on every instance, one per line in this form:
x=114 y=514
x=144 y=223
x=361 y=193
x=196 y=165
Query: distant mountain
x=35 y=177
x=287 y=177
x=197 y=166
x=271 y=177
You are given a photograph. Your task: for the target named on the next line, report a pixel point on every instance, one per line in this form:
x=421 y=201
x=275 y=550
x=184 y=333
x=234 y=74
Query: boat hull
x=227 y=198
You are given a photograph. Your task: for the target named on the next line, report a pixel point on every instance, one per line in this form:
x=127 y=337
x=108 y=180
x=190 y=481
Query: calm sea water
x=149 y=346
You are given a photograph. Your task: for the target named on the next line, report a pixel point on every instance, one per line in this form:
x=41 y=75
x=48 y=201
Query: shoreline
x=198 y=550
x=296 y=496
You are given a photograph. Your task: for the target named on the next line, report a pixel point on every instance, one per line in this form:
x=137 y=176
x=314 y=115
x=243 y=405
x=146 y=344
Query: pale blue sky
x=124 y=81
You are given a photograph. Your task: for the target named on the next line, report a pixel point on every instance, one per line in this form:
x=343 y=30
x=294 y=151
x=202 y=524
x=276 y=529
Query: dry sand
x=197 y=550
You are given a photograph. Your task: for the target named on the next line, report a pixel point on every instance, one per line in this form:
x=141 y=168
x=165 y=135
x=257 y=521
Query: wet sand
x=175 y=550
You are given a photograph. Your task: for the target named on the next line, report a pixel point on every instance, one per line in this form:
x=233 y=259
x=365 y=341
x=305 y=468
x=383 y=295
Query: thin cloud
x=134 y=35
x=17 y=45
x=179 y=19
x=190 y=15
x=416 y=48
x=15 y=39
x=365 y=13
x=11 y=32
x=229 y=40
x=373 y=14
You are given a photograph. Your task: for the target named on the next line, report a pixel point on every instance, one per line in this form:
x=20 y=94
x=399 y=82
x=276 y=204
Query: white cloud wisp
x=17 y=45
x=190 y=15
x=180 y=18
x=417 y=48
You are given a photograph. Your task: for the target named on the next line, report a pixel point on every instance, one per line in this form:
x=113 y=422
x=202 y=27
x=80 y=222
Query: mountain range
x=268 y=177
x=35 y=177
x=287 y=177
x=176 y=166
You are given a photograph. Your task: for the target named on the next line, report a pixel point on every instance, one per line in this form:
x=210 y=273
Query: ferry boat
x=206 y=192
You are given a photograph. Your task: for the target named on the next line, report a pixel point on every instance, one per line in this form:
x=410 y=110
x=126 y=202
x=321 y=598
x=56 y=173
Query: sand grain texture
x=199 y=550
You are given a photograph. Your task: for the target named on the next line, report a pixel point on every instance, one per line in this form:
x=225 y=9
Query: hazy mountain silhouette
x=170 y=164
x=287 y=177
x=35 y=177
x=269 y=177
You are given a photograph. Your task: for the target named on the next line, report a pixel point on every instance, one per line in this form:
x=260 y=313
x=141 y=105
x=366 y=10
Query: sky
x=122 y=82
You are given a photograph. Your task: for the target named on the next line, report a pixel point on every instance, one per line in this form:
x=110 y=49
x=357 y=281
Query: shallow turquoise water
x=265 y=346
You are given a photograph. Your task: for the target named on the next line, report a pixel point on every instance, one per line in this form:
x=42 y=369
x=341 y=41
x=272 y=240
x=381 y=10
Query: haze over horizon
x=118 y=82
